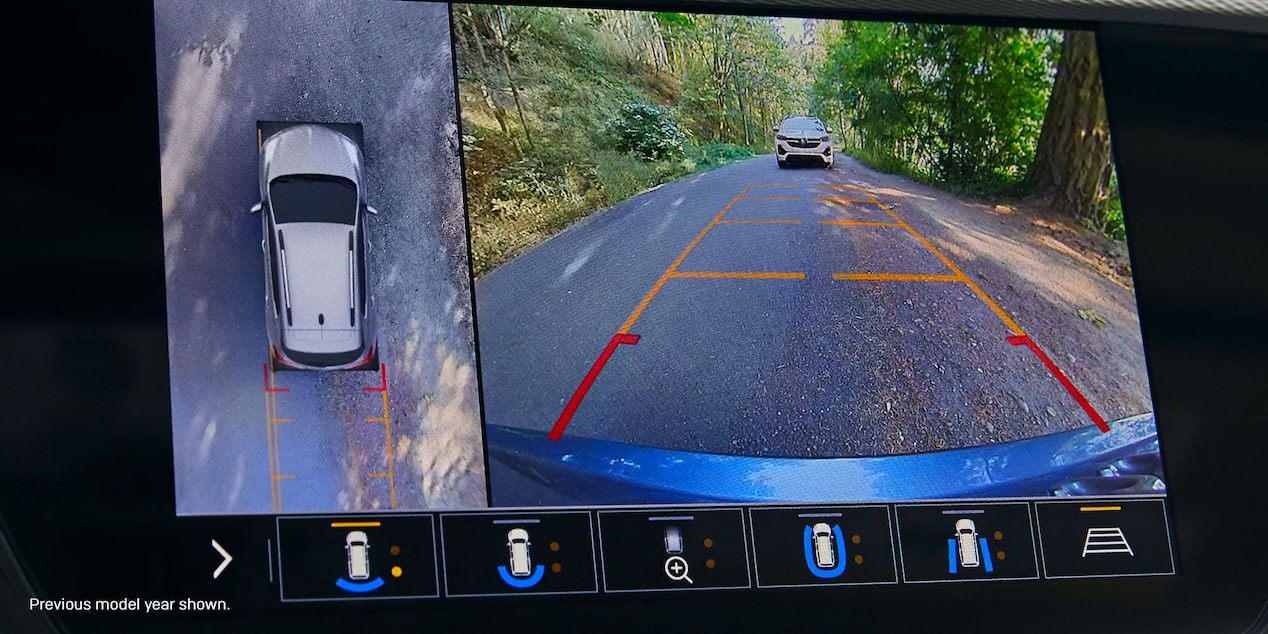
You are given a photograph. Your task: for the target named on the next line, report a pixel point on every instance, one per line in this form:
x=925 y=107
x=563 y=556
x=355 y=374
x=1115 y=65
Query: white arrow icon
x=224 y=564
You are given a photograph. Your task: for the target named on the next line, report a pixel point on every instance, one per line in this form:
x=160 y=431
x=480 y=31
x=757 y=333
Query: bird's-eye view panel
x=320 y=326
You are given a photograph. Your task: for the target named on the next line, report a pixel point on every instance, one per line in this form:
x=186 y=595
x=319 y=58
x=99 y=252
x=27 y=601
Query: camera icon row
x=491 y=553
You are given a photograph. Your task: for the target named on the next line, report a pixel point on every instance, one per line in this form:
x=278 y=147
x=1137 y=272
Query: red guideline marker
x=383 y=375
x=1023 y=340
x=566 y=417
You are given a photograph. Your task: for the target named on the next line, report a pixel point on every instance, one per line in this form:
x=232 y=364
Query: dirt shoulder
x=1067 y=286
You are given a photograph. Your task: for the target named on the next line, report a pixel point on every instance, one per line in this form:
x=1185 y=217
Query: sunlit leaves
x=961 y=105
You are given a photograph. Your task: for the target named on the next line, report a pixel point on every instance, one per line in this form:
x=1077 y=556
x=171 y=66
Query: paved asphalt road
x=222 y=66
x=761 y=366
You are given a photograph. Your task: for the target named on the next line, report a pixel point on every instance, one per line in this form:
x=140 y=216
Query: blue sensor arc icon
x=525 y=582
x=359 y=587
x=825 y=550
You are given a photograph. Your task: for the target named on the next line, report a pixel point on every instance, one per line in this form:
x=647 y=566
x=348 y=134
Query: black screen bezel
x=86 y=447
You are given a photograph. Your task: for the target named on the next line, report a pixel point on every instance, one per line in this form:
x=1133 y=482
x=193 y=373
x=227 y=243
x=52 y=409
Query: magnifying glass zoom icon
x=676 y=569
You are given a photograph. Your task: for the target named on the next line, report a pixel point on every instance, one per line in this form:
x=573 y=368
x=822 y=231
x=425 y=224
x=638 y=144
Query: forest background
x=569 y=111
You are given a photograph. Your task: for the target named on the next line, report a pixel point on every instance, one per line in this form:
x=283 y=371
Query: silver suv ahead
x=803 y=138
x=319 y=308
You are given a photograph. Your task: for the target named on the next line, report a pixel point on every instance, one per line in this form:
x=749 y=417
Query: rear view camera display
x=726 y=258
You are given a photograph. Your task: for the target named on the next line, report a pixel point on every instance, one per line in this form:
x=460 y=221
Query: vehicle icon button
x=521 y=573
x=825 y=546
x=358 y=547
x=354 y=557
x=966 y=542
x=679 y=549
x=967 y=547
x=499 y=553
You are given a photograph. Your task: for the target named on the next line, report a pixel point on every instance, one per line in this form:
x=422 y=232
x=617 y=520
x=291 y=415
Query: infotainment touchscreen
x=701 y=286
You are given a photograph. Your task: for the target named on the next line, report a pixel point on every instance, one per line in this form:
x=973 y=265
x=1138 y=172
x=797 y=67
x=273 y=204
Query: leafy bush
x=962 y=106
x=648 y=131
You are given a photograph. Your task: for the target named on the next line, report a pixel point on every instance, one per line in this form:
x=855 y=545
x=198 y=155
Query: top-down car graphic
x=966 y=543
x=319 y=305
x=824 y=547
x=358 y=547
x=673 y=541
x=517 y=543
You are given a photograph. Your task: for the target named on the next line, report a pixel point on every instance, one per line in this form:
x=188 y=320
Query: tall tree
x=1072 y=166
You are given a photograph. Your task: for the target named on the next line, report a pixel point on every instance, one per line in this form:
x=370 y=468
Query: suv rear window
x=312 y=198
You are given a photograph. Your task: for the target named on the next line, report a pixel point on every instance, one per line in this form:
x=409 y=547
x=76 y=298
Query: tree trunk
x=510 y=79
x=498 y=112
x=1072 y=161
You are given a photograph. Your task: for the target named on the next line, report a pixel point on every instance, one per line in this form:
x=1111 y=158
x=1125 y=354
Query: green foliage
x=958 y=105
x=566 y=111
x=738 y=79
x=706 y=157
x=648 y=131
x=542 y=194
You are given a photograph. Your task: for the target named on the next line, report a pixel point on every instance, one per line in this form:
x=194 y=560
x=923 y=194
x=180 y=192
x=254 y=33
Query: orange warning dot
x=856 y=539
x=708 y=543
x=554 y=547
x=396 y=550
x=999 y=535
x=1000 y=555
x=555 y=567
x=858 y=559
x=396 y=571
x=709 y=563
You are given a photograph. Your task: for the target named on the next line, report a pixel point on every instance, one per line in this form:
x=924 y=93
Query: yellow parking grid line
x=951 y=265
x=647 y=299
x=854 y=187
x=1093 y=509
x=860 y=223
x=355 y=524
x=283 y=477
x=759 y=222
x=277 y=455
x=386 y=419
x=836 y=199
x=270 y=425
x=744 y=275
x=771 y=198
x=898 y=277
x=268 y=429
